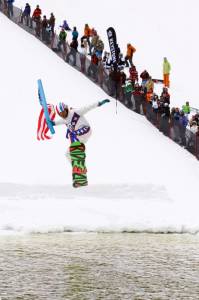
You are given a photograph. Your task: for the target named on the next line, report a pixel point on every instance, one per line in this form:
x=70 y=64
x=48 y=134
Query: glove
x=103 y=102
x=52 y=122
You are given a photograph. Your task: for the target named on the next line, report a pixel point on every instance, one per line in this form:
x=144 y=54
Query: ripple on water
x=99 y=266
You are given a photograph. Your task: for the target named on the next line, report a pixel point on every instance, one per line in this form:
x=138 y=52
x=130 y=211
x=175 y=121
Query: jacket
x=80 y=119
x=87 y=31
x=186 y=109
x=166 y=67
x=27 y=10
x=133 y=74
x=75 y=34
x=130 y=50
x=62 y=36
x=36 y=13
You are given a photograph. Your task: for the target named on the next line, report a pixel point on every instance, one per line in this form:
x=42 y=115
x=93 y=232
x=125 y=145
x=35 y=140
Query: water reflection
x=99 y=266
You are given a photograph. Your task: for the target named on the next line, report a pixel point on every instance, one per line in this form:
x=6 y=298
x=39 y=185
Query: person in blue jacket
x=183 y=122
x=75 y=34
x=66 y=26
x=10 y=8
x=26 y=14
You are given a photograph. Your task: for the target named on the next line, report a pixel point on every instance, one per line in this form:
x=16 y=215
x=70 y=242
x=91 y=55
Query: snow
x=139 y=180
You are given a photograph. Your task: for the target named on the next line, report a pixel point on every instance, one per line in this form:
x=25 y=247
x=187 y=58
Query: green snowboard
x=79 y=171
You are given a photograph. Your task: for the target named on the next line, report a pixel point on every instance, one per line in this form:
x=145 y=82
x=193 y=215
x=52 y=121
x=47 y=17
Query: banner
x=114 y=49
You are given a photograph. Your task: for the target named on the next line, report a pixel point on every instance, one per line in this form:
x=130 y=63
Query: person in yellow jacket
x=166 y=72
x=129 y=55
x=149 y=89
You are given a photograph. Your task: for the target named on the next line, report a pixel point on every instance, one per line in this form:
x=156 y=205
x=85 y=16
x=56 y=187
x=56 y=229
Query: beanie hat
x=60 y=107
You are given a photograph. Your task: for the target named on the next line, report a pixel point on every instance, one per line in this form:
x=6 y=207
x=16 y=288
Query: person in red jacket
x=133 y=75
x=36 y=16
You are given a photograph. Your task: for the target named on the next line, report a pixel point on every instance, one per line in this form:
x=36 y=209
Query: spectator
x=122 y=77
x=75 y=34
x=149 y=88
x=66 y=26
x=194 y=127
x=93 y=68
x=155 y=103
x=93 y=31
x=186 y=108
x=26 y=14
x=73 y=52
x=139 y=99
x=93 y=43
x=133 y=75
x=166 y=72
x=196 y=118
x=145 y=77
x=44 y=31
x=36 y=16
x=128 y=88
x=114 y=83
x=10 y=8
x=191 y=136
x=99 y=48
x=62 y=40
x=107 y=61
x=165 y=96
x=83 y=53
x=129 y=55
x=175 y=117
x=51 y=23
x=121 y=62
x=122 y=86
x=183 y=121
x=87 y=34
x=154 y=111
x=164 y=125
x=38 y=27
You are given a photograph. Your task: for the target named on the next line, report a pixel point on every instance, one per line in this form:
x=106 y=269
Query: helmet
x=60 y=107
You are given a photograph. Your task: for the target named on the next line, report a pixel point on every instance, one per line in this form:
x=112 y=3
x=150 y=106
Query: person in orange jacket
x=129 y=55
x=87 y=34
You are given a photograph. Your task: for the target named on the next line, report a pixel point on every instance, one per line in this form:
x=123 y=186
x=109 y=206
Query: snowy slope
x=125 y=152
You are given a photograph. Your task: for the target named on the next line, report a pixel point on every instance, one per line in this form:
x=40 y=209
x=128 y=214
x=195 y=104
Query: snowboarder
x=77 y=125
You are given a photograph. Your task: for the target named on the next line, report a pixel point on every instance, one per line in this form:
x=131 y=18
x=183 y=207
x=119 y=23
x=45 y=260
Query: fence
x=100 y=76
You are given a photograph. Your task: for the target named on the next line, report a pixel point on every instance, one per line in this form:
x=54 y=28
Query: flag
x=42 y=128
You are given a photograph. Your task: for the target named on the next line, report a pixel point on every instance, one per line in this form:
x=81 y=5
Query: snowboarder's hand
x=52 y=122
x=103 y=102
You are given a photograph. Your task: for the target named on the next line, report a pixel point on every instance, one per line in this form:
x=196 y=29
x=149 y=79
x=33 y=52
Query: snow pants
x=166 y=80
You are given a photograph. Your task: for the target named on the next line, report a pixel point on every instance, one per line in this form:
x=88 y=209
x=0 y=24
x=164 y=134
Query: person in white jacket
x=78 y=128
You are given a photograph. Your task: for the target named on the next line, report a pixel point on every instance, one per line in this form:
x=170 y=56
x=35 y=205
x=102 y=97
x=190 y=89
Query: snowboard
x=42 y=100
x=79 y=171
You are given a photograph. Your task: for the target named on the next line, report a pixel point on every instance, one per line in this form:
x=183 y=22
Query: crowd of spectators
x=134 y=90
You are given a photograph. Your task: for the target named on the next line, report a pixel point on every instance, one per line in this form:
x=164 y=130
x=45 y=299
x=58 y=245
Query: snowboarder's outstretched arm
x=85 y=109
